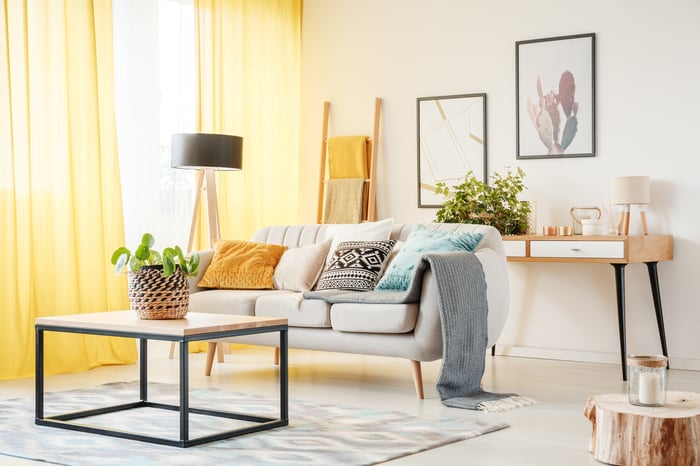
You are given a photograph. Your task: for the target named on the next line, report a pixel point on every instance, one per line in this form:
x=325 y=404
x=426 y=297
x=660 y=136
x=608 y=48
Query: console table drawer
x=515 y=248
x=582 y=249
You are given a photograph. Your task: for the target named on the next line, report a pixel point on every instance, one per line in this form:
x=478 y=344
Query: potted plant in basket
x=158 y=286
x=497 y=205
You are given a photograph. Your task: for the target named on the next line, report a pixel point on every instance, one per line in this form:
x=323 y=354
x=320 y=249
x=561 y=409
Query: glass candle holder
x=647 y=380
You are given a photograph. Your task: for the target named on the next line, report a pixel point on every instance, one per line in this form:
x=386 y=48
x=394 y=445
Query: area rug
x=319 y=434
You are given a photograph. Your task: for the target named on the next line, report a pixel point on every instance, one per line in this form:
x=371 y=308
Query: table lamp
x=206 y=153
x=626 y=191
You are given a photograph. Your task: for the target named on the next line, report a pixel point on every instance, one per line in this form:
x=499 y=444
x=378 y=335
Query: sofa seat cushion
x=373 y=318
x=240 y=302
x=299 y=312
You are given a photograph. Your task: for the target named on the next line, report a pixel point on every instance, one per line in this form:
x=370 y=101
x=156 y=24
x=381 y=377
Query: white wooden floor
x=551 y=432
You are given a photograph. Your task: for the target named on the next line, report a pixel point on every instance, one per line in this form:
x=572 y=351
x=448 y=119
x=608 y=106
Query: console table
x=617 y=251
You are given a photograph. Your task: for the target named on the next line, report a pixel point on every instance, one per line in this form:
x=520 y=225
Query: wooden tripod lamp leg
x=195 y=213
x=621 y=221
x=212 y=207
x=322 y=172
x=643 y=216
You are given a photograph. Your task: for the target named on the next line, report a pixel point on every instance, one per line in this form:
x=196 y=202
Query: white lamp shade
x=631 y=190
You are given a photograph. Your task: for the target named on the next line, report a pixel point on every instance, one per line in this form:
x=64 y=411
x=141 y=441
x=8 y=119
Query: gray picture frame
x=451 y=142
x=555 y=97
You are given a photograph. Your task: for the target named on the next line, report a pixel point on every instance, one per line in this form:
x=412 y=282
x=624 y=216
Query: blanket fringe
x=505 y=404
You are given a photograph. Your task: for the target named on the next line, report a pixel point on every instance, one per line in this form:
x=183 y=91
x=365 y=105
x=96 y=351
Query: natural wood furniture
x=624 y=434
x=369 y=205
x=617 y=251
x=195 y=327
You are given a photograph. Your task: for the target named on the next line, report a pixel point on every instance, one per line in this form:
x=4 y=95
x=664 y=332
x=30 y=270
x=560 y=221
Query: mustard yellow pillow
x=242 y=265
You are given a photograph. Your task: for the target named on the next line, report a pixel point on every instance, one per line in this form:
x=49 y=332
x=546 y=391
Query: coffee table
x=626 y=435
x=195 y=327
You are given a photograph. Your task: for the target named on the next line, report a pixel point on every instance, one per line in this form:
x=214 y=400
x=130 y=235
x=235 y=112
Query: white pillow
x=368 y=231
x=299 y=268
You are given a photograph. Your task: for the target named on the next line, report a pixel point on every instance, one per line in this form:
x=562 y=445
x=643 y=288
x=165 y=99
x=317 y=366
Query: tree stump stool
x=624 y=434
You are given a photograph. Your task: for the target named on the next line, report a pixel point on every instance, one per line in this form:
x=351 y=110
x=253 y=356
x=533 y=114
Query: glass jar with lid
x=647 y=380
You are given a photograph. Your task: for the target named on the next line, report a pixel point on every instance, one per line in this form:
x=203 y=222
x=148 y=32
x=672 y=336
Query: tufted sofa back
x=302 y=235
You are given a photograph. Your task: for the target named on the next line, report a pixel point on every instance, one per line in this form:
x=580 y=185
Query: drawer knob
x=575 y=249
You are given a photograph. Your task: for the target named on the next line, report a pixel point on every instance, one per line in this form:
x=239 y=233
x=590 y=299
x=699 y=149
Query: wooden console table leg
x=656 y=295
x=620 y=290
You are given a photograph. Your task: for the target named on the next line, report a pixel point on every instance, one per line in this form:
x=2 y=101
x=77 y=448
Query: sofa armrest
x=205 y=258
x=428 y=330
x=497 y=290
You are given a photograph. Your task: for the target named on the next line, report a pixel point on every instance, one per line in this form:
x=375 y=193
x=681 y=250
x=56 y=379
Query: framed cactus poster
x=555 y=97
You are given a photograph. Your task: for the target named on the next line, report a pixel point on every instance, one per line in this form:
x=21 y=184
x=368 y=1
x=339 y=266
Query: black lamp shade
x=201 y=150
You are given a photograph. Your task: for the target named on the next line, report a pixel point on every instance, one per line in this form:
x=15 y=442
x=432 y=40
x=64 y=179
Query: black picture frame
x=451 y=142
x=555 y=97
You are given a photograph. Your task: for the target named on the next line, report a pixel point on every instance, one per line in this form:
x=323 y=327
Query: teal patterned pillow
x=421 y=241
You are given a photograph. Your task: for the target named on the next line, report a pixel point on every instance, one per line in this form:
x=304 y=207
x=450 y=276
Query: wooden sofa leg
x=277 y=355
x=211 y=350
x=220 y=349
x=172 y=350
x=417 y=378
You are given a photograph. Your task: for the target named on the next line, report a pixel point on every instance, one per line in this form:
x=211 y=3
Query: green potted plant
x=158 y=285
x=474 y=201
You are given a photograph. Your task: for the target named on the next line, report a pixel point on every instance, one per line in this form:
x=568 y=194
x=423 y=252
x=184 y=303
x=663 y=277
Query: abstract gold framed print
x=451 y=142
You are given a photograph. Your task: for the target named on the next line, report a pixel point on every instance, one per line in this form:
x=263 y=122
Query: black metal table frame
x=656 y=297
x=64 y=420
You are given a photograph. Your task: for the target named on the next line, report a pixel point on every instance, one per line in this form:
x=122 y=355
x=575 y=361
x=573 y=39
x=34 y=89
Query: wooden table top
x=678 y=405
x=194 y=323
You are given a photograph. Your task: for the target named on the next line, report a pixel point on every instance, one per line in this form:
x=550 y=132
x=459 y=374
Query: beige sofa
x=411 y=331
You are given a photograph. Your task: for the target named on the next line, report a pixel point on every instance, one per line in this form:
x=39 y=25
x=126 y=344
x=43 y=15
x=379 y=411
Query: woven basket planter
x=154 y=297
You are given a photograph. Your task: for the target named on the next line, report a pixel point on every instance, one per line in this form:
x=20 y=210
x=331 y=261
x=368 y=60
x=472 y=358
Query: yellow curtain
x=248 y=74
x=60 y=199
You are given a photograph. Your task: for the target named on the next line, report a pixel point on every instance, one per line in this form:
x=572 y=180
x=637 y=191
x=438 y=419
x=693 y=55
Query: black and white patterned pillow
x=356 y=265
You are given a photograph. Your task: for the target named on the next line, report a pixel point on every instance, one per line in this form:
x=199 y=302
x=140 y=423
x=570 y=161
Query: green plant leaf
x=118 y=253
x=142 y=253
x=121 y=261
x=156 y=258
x=148 y=240
x=168 y=265
x=135 y=264
x=194 y=264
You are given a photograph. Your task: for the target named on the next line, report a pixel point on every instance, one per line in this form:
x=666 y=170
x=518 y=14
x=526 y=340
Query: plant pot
x=153 y=296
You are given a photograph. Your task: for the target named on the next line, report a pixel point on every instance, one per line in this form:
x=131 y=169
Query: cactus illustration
x=546 y=114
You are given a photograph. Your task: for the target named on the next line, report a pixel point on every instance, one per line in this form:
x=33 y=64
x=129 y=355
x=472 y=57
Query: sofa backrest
x=294 y=236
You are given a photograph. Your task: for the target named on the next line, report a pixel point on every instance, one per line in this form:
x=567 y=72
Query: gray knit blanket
x=463 y=312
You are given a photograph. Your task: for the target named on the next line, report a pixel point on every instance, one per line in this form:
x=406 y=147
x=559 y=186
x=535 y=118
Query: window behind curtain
x=155 y=98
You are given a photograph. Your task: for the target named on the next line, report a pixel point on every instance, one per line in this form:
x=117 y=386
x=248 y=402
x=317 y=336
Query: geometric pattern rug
x=317 y=434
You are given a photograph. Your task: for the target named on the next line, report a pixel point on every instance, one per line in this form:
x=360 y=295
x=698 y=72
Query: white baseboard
x=584 y=356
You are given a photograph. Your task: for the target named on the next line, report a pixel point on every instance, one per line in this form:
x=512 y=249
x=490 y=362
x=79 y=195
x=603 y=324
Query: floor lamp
x=206 y=153
x=629 y=190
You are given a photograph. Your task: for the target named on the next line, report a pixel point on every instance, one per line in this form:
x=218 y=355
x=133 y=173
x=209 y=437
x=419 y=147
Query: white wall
x=648 y=113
